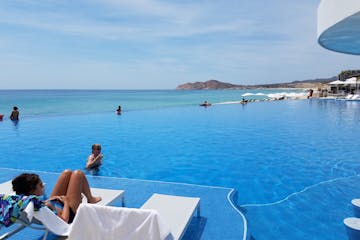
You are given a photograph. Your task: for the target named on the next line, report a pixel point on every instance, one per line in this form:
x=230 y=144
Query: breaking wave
x=288 y=95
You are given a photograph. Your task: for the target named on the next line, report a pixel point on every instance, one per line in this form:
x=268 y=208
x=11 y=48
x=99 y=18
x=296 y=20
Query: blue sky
x=153 y=44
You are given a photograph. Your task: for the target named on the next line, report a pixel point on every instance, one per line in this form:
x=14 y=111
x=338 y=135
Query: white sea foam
x=252 y=94
x=230 y=102
x=291 y=95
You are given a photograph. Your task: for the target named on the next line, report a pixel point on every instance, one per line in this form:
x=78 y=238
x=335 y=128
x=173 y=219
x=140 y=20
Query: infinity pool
x=295 y=164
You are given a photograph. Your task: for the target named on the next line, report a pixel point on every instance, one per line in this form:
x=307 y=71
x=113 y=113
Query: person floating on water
x=205 y=104
x=14 y=114
x=244 y=101
x=95 y=158
x=118 y=110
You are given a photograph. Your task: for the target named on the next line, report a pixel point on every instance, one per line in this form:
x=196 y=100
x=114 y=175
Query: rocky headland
x=216 y=84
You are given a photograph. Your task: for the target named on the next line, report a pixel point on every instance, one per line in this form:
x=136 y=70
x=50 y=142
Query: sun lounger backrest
x=6 y=188
x=176 y=211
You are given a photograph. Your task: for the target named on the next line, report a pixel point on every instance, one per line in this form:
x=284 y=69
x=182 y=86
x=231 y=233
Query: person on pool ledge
x=95 y=159
x=66 y=195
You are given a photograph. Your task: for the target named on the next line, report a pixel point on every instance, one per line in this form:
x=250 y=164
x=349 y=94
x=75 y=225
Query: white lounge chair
x=107 y=195
x=176 y=211
x=160 y=217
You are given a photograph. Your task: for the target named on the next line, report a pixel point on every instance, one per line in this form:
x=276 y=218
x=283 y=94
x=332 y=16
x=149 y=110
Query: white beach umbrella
x=337 y=82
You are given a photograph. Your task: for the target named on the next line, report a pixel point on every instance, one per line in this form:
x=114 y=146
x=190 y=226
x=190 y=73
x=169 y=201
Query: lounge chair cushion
x=177 y=211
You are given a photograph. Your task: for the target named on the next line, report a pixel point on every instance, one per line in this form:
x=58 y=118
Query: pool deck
x=219 y=218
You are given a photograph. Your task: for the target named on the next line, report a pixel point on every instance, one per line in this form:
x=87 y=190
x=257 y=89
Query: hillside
x=215 y=84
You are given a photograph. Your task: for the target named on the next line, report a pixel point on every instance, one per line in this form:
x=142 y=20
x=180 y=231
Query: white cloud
x=233 y=40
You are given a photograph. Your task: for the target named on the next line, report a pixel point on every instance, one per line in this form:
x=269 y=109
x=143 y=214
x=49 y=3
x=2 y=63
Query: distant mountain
x=211 y=84
x=215 y=84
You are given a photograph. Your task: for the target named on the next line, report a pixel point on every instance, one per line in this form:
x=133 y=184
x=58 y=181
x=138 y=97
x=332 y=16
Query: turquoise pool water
x=295 y=163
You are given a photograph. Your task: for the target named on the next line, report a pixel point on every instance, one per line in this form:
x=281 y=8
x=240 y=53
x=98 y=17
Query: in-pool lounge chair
x=108 y=196
x=162 y=217
x=176 y=211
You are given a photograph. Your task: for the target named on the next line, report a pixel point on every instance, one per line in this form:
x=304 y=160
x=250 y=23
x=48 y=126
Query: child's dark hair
x=25 y=183
x=96 y=146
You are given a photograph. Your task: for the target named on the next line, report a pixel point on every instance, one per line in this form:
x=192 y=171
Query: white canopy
x=351 y=80
x=338 y=25
x=337 y=82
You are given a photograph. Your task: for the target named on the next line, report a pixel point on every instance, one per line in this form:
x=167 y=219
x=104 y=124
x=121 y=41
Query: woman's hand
x=54 y=198
x=64 y=199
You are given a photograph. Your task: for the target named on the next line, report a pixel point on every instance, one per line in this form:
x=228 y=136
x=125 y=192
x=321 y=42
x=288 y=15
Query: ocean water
x=294 y=163
x=63 y=102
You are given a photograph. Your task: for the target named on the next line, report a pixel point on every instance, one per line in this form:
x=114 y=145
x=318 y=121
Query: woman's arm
x=63 y=213
x=92 y=162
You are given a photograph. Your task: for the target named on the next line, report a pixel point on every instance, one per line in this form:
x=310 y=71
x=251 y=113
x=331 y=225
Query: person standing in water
x=14 y=114
x=95 y=158
x=118 y=110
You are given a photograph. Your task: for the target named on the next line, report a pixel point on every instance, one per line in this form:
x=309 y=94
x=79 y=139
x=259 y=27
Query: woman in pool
x=66 y=195
x=95 y=159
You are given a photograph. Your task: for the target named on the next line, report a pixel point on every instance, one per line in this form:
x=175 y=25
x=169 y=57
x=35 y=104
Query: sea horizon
x=36 y=102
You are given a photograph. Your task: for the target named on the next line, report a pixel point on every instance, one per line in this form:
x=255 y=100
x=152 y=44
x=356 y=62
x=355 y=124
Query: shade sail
x=339 y=25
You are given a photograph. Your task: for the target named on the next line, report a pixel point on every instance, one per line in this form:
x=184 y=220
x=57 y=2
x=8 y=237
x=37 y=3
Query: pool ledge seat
x=356 y=206
x=352 y=225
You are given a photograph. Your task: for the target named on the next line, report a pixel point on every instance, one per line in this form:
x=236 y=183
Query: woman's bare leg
x=78 y=184
x=62 y=184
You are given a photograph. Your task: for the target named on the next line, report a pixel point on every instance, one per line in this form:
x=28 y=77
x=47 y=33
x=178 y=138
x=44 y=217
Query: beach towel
x=104 y=222
x=12 y=205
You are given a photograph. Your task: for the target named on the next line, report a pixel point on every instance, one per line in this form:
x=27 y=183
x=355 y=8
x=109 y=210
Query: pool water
x=295 y=163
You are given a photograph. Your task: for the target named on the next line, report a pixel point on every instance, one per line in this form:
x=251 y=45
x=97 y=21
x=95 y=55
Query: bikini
x=58 y=204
